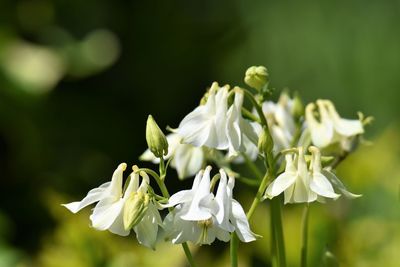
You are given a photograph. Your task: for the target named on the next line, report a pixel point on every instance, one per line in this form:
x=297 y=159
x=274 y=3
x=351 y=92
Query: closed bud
x=156 y=140
x=135 y=208
x=256 y=77
x=265 y=142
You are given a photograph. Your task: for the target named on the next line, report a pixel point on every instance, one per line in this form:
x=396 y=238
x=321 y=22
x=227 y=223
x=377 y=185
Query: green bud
x=156 y=140
x=256 y=77
x=265 y=142
x=135 y=208
x=298 y=107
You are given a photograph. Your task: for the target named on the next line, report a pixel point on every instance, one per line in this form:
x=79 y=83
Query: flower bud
x=135 y=208
x=265 y=142
x=256 y=77
x=156 y=140
x=297 y=107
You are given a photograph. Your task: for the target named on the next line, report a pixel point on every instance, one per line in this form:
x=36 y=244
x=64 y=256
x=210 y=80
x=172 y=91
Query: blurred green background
x=78 y=79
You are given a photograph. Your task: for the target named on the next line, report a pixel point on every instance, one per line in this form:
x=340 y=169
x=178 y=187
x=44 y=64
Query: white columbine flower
x=280 y=121
x=300 y=184
x=186 y=159
x=201 y=217
x=241 y=134
x=213 y=125
x=206 y=124
x=108 y=213
x=331 y=128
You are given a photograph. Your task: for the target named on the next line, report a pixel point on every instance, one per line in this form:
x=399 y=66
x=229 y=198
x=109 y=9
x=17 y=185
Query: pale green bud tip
x=256 y=77
x=156 y=140
x=135 y=208
x=265 y=142
x=297 y=107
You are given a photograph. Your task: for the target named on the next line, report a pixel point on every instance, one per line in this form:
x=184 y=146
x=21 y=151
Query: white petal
x=180 y=197
x=146 y=231
x=239 y=220
x=223 y=200
x=93 y=196
x=106 y=212
x=320 y=185
x=321 y=132
x=196 y=211
x=344 y=127
x=280 y=184
x=115 y=188
x=339 y=185
x=118 y=226
x=301 y=191
x=188 y=160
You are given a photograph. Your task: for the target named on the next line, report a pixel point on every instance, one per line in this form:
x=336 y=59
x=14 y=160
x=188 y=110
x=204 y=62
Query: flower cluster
x=300 y=147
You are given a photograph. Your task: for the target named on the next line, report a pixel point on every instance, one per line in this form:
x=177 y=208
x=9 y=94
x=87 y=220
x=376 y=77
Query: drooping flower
x=186 y=159
x=108 y=213
x=299 y=183
x=280 y=121
x=215 y=126
x=241 y=134
x=206 y=124
x=201 y=217
x=331 y=128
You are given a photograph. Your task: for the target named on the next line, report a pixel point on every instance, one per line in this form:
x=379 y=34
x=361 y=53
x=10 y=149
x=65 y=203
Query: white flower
x=200 y=217
x=280 y=121
x=213 y=125
x=331 y=128
x=108 y=213
x=186 y=159
x=300 y=184
x=241 y=134
x=206 y=124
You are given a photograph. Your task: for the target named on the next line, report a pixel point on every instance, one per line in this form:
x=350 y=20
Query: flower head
x=302 y=184
x=108 y=214
x=331 y=128
x=201 y=217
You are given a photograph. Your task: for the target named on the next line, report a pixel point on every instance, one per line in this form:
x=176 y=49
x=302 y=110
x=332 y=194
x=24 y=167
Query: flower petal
x=241 y=224
x=93 y=196
x=320 y=185
x=106 y=212
x=280 y=184
x=146 y=231
x=339 y=185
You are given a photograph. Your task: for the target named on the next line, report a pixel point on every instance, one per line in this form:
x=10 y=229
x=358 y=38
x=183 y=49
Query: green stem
x=276 y=215
x=259 y=196
x=188 y=254
x=247 y=114
x=304 y=236
x=234 y=249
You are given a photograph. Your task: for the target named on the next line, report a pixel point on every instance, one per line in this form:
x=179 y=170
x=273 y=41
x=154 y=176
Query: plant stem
x=304 y=236
x=234 y=249
x=188 y=254
x=278 y=231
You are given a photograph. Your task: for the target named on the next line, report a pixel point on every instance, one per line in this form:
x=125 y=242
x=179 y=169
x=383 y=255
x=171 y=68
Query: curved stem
x=304 y=236
x=188 y=254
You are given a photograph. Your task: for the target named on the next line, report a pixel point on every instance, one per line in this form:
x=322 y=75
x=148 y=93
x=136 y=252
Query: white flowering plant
x=291 y=150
